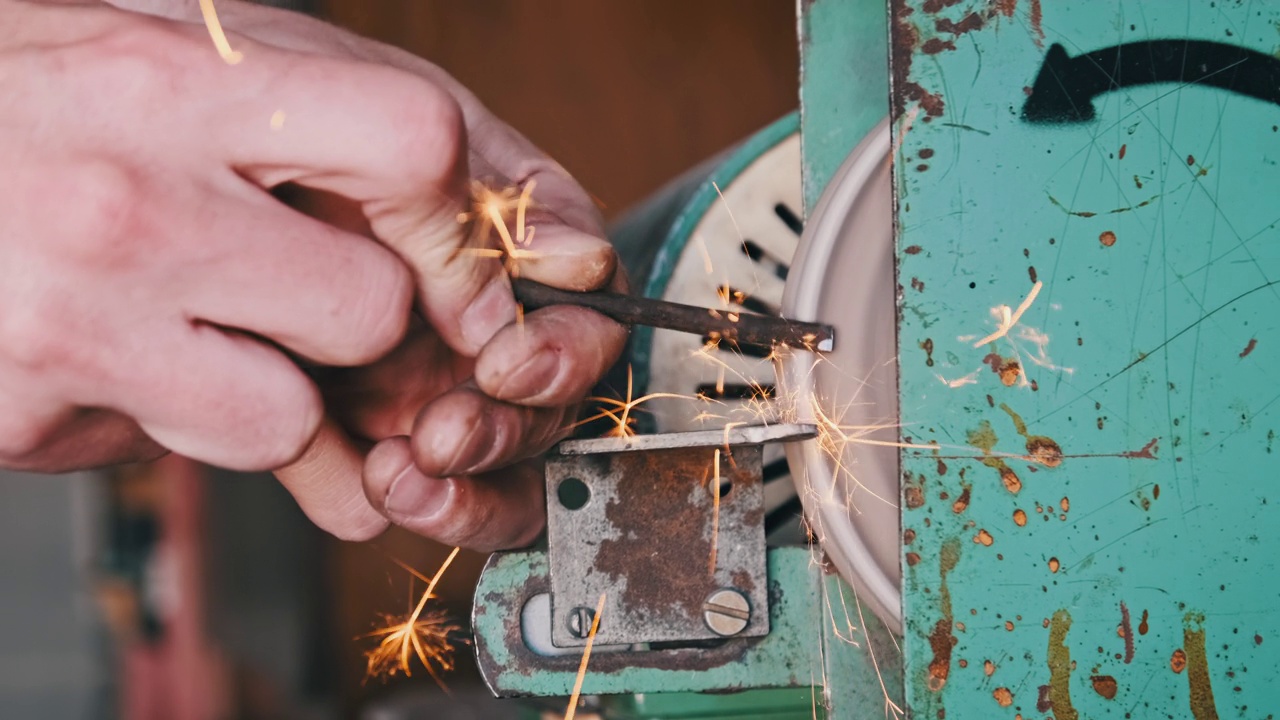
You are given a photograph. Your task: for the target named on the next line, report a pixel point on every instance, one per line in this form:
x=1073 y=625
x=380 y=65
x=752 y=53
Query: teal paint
x=1154 y=234
x=844 y=83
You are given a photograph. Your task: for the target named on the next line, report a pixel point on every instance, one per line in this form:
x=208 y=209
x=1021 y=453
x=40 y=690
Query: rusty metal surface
x=1093 y=535
x=731 y=435
x=644 y=539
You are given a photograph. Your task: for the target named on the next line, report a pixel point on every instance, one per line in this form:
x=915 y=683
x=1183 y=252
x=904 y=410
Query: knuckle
x=104 y=225
x=428 y=133
x=288 y=423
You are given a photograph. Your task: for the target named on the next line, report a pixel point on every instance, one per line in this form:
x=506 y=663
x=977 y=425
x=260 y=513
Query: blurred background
x=181 y=592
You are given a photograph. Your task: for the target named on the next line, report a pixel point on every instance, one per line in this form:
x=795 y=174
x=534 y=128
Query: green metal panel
x=844 y=83
x=1096 y=521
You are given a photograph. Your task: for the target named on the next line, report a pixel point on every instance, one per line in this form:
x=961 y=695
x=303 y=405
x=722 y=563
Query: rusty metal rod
x=744 y=328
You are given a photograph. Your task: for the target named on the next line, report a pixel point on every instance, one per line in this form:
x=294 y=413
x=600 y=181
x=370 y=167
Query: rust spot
x=1019 y=518
x=1008 y=625
x=908 y=536
x=983 y=538
x=1031 y=272
x=1059 y=661
x=1155 y=492
x=913 y=559
x=1065 y=504
x=1105 y=685
x=1003 y=696
x=967 y=24
x=1011 y=481
x=1043 y=702
x=1257 y=639
x=989 y=668
x=1044 y=450
x=905 y=38
x=1148 y=451
x=961 y=502
x=942 y=467
x=1107 y=238
x=1197 y=664
x=941 y=640
x=936 y=6
x=926 y=153
x=933 y=46
x=913 y=250
x=1253 y=343
x=1005 y=7
x=913 y=495
x=1122 y=149
x=1126 y=631
x=1054 y=564
x=1191 y=160
x=1037 y=22
x=1100 y=422
x=917 y=284
x=1008 y=369
x=922 y=167
x=1178 y=661
x=927 y=347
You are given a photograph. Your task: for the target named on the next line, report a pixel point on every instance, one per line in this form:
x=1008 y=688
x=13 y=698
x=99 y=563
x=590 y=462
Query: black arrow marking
x=1066 y=86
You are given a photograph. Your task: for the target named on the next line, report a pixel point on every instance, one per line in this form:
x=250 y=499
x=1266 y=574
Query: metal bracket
x=638 y=521
x=817 y=639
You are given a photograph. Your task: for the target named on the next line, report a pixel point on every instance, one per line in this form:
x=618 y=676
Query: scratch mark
x=1089 y=214
x=941 y=639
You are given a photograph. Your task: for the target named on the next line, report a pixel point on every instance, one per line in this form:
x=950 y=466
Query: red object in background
x=179 y=675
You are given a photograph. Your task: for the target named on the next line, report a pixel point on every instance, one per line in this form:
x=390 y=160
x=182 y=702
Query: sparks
x=425 y=633
x=1008 y=319
x=492 y=210
x=229 y=56
x=620 y=411
x=586 y=658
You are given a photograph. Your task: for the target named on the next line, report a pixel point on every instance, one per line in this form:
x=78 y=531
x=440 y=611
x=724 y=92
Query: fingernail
x=532 y=377
x=493 y=309
x=471 y=449
x=414 y=495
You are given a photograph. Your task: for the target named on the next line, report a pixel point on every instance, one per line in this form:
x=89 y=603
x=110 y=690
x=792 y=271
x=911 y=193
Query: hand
x=155 y=306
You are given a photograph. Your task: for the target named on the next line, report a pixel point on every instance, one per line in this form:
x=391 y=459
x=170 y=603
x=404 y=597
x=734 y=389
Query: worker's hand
x=154 y=290
x=455 y=437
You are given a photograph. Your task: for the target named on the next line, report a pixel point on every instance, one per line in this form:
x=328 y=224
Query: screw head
x=726 y=612
x=580 y=620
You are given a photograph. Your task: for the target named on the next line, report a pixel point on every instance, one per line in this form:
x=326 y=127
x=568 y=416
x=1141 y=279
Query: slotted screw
x=580 y=620
x=727 y=612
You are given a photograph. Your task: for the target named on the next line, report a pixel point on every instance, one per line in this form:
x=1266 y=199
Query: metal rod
x=734 y=327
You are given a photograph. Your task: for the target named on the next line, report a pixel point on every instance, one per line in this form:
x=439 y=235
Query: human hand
x=150 y=308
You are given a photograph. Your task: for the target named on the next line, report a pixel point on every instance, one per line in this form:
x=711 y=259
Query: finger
x=465 y=432
x=217 y=397
x=553 y=358
x=331 y=296
x=487 y=512
x=325 y=482
x=393 y=142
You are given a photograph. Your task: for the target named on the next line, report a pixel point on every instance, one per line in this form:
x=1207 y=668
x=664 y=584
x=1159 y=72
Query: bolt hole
x=573 y=493
x=725 y=487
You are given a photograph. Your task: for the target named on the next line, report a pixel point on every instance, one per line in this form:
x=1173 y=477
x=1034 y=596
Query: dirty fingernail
x=531 y=377
x=414 y=495
x=492 y=309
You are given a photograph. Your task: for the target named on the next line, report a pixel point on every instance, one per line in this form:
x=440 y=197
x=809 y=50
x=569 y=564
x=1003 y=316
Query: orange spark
x=231 y=57
x=620 y=410
x=1008 y=319
x=492 y=210
x=425 y=633
x=586 y=658
x=715 y=511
